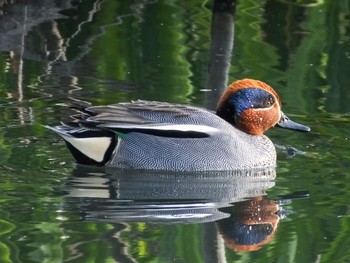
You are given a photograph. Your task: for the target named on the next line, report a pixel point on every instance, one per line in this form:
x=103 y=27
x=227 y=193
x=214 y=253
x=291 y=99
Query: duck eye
x=270 y=101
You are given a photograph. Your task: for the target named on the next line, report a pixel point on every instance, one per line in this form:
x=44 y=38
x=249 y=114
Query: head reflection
x=252 y=224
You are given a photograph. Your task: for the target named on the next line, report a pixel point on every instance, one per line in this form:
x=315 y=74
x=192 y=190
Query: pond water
x=56 y=52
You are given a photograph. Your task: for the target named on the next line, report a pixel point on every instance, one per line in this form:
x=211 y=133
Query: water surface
x=112 y=51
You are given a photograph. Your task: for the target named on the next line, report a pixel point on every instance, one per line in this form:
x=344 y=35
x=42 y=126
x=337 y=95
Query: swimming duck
x=164 y=136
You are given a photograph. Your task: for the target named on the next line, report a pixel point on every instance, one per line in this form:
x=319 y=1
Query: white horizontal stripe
x=171 y=127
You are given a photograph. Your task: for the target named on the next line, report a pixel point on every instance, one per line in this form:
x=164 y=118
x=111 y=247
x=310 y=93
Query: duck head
x=254 y=107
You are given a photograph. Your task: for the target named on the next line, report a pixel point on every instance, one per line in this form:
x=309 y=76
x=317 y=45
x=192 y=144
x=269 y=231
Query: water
x=112 y=51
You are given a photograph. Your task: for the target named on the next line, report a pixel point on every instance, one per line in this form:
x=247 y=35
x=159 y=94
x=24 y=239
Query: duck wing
x=151 y=117
x=95 y=131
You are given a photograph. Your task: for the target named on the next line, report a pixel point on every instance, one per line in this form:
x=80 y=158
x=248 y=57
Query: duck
x=153 y=135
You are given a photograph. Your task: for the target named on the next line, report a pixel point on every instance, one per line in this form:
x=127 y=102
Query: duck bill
x=287 y=123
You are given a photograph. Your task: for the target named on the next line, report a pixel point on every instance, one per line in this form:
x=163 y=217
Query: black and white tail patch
x=95 y=150
x=89 y=150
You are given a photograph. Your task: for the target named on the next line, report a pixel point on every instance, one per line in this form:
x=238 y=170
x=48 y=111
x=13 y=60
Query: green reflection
x=6 y=247
x=148 y=240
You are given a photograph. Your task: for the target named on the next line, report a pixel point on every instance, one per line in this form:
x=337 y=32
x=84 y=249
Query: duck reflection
x=153 y=196
x=231 y=205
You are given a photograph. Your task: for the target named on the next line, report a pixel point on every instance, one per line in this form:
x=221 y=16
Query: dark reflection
x=221 y=46
x=19 y=17
x=52 y=33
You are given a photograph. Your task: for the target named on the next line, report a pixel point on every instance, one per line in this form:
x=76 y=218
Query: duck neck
x=227 y=112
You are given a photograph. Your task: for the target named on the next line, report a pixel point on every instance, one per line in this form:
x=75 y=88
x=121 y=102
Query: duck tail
x=89 y=147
